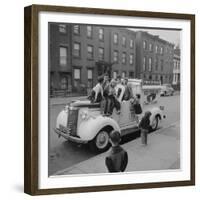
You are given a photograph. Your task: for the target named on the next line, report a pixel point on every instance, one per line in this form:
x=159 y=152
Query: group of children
x=108 y=91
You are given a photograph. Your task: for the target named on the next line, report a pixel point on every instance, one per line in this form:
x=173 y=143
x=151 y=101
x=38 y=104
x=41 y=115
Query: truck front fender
x=88 y=129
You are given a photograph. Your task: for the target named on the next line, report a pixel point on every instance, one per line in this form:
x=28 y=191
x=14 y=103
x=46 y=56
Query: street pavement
x=64 y=154
x=161 y=153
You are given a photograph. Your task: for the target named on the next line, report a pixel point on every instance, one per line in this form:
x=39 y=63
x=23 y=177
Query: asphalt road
x=63 y=154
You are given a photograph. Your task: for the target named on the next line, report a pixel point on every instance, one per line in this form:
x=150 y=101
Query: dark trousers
x=109 y=104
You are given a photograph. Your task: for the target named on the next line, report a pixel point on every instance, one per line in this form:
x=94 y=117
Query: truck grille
x=72 y=122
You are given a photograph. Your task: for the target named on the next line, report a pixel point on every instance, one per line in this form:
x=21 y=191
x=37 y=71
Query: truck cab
x=83 y=122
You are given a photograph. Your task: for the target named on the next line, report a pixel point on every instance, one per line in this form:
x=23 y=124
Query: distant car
x=166 y=90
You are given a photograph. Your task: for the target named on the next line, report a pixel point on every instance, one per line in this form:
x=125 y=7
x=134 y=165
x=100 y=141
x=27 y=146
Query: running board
x=129 y=130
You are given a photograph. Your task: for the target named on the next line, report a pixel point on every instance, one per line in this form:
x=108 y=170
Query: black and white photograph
x=114 y=99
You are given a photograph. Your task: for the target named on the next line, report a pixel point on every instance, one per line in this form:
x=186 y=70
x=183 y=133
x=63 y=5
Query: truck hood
x=84 y=103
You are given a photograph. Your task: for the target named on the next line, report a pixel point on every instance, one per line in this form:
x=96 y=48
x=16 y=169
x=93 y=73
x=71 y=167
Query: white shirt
x=120 y=86
x=98 y=89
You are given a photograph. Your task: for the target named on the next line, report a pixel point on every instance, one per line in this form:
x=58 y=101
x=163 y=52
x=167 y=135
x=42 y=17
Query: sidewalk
x=162 y=152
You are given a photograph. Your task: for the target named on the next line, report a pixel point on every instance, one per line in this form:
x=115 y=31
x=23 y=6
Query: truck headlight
x=84 y=115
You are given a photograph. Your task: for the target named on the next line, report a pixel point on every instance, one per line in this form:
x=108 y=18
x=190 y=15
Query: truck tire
x=101 y=142
x=155 y=123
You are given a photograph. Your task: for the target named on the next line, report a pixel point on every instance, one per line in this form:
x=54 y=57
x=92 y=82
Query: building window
x=90 y=51
x=89 y=74
x=115 y=38
x=89 y=31
x=123 y=57
x=63 y=56
x=131 y=74
x=131 y=44
x=145 y=45
x=77 y=49
x=76 y=29
x=144 y=64
x=123 y=74
x=150 y=47
x=77 y=78
x=156 y=48
x=123 y=41
x=156 y=64
x=101 y=34
x=77 y=74
x=114 y=74
x=90 y=79
x=161 y=50
x=161 y=65
x=131 y=59
x=101 y=53
x=62 y=28
x=150 y=64
x=115 y=56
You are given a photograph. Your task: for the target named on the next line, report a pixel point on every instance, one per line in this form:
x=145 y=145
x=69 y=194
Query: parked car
x=166 y=90
x=83 y=121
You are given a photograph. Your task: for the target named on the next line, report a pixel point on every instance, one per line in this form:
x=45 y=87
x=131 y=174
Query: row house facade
x=154 y=59
x=80 y=53
x=176 y=69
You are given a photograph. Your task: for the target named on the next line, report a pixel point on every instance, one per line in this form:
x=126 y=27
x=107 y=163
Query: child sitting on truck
x=111 y=100
x=96 y=95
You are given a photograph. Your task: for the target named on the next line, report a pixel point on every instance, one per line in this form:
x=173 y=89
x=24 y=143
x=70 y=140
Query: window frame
x=74 y=50
x=124 y=57
x=90 y=53
x=101 y=34
x=101 y=59
x=91 y=31
x=62 y=27
x=66 y=56
x=74 y=29
x=115 y=39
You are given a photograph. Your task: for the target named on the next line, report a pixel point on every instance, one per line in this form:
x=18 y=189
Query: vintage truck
x=82 y=122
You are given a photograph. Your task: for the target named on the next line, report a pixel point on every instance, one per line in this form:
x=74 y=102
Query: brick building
x=154 y=58
x=80 y=53
x=176 y=69
x=123 y=52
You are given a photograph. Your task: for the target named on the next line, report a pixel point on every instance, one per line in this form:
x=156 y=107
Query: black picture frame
x=31 y=39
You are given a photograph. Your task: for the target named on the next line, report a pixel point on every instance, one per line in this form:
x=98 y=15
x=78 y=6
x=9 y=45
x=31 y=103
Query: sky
x=172 y=36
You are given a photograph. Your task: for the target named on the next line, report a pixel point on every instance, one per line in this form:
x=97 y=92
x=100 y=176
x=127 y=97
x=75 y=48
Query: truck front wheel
x=101 y=142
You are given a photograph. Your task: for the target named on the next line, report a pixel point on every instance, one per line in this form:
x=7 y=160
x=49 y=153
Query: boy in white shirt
x=97 y=92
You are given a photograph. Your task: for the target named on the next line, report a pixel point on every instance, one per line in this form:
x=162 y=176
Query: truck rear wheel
x=155 y=123
x=101 y=142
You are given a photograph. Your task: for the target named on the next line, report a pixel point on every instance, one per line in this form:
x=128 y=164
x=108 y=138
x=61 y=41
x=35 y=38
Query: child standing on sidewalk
x=117 y=159
x=144 y=127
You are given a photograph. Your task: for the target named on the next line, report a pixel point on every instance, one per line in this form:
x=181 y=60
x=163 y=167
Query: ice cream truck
x=83 y=122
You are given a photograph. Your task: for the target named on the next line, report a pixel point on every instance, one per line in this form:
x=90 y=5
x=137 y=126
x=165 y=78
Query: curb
x=60 y=172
